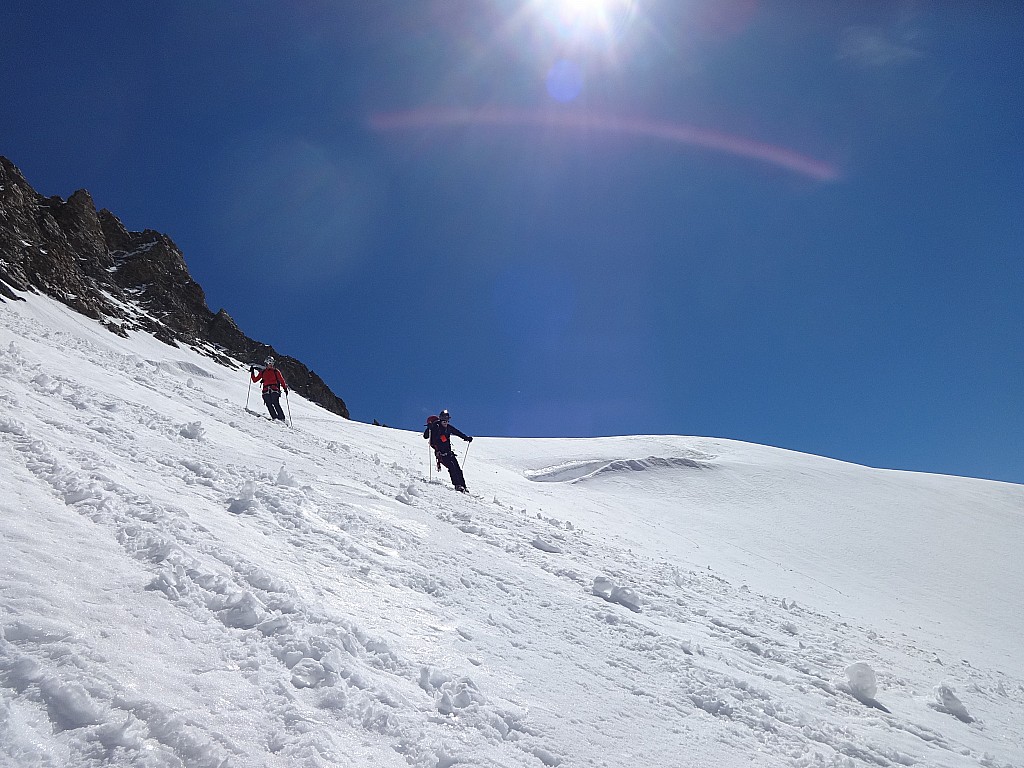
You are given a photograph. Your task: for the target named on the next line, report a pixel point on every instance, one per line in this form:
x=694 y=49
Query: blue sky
x=793 y=223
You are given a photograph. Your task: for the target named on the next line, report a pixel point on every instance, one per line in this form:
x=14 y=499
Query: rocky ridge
x=128 y=281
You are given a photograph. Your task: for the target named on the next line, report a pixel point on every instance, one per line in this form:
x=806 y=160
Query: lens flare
x=678 y=133
x=565 y=80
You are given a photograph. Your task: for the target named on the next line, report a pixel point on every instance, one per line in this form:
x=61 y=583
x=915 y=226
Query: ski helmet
x=444 y=415
x=269 y=361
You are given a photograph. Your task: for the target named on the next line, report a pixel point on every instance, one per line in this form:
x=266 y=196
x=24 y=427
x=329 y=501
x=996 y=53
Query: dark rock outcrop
x=127 y=280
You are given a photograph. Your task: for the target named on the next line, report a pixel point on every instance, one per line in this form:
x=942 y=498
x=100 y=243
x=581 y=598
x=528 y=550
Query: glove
x=252 y=369
x=469 y=439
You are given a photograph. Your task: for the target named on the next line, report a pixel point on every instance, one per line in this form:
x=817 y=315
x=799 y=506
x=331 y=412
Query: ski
x=264 y=416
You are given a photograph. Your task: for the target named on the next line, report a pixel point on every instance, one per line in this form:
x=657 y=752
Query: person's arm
x=254 y=375
x=455 y=431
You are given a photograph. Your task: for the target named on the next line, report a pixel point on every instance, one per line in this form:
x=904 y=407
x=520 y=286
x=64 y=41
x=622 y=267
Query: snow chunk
x=274 y=624
x=22 y=673
x=546 y=757
x=308 y=673
x=947 y=701
x=242 y=611
x=546 y=546
x=603 y=587
x=193 y=430
x=451 y=694
x=246 y=501
x=47 y=384
x=13 y=427
x=333 y=698
x=626 y=597
x=285 y=479
x=457 y=695
x=409 y=493
x=170 y=581
x=70 y=704
x=863 y=684
x=607 y=589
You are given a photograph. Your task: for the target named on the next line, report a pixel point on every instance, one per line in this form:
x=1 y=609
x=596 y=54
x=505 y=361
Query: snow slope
x=185 y=584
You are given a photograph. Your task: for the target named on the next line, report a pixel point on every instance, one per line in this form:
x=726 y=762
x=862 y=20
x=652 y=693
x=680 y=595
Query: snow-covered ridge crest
x=182 y=584
x=579 y=471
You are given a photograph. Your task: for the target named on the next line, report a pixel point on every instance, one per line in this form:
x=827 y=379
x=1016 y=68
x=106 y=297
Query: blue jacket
x=440 y=435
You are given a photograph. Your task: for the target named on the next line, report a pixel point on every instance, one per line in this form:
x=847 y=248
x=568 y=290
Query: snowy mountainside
x=185 y=584
x=129 y=281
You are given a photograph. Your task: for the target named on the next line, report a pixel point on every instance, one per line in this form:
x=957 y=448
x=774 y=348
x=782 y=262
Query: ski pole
x=288 y=402
x=430 y=466
x=248 y=390
x=465 y=456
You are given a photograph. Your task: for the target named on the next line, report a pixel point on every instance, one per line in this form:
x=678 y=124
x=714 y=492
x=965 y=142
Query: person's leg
x=458 y=480
x=273 y=401
x=278 y=412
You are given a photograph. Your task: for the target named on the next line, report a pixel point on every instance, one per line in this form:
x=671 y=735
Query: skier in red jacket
x=273 y=383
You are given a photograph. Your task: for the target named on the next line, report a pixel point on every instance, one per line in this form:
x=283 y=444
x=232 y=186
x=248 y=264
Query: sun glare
x=595 y=20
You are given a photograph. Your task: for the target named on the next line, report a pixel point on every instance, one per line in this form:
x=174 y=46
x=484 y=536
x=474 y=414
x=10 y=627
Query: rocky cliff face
x=86 y=259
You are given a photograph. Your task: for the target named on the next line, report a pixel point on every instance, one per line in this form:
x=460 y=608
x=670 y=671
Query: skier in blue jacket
x=439 y=431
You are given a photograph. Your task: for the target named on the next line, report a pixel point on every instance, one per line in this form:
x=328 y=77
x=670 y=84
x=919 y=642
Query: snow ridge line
x=582 y=471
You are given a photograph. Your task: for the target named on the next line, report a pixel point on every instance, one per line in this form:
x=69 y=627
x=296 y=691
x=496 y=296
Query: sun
x=593 y=20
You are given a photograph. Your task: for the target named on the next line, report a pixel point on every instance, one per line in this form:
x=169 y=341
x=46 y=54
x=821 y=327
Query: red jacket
x=271 y=378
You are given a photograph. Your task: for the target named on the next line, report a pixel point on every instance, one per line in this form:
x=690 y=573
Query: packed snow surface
x=184 y=583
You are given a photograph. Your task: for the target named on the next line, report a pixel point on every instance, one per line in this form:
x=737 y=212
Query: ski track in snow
x=288 y=578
